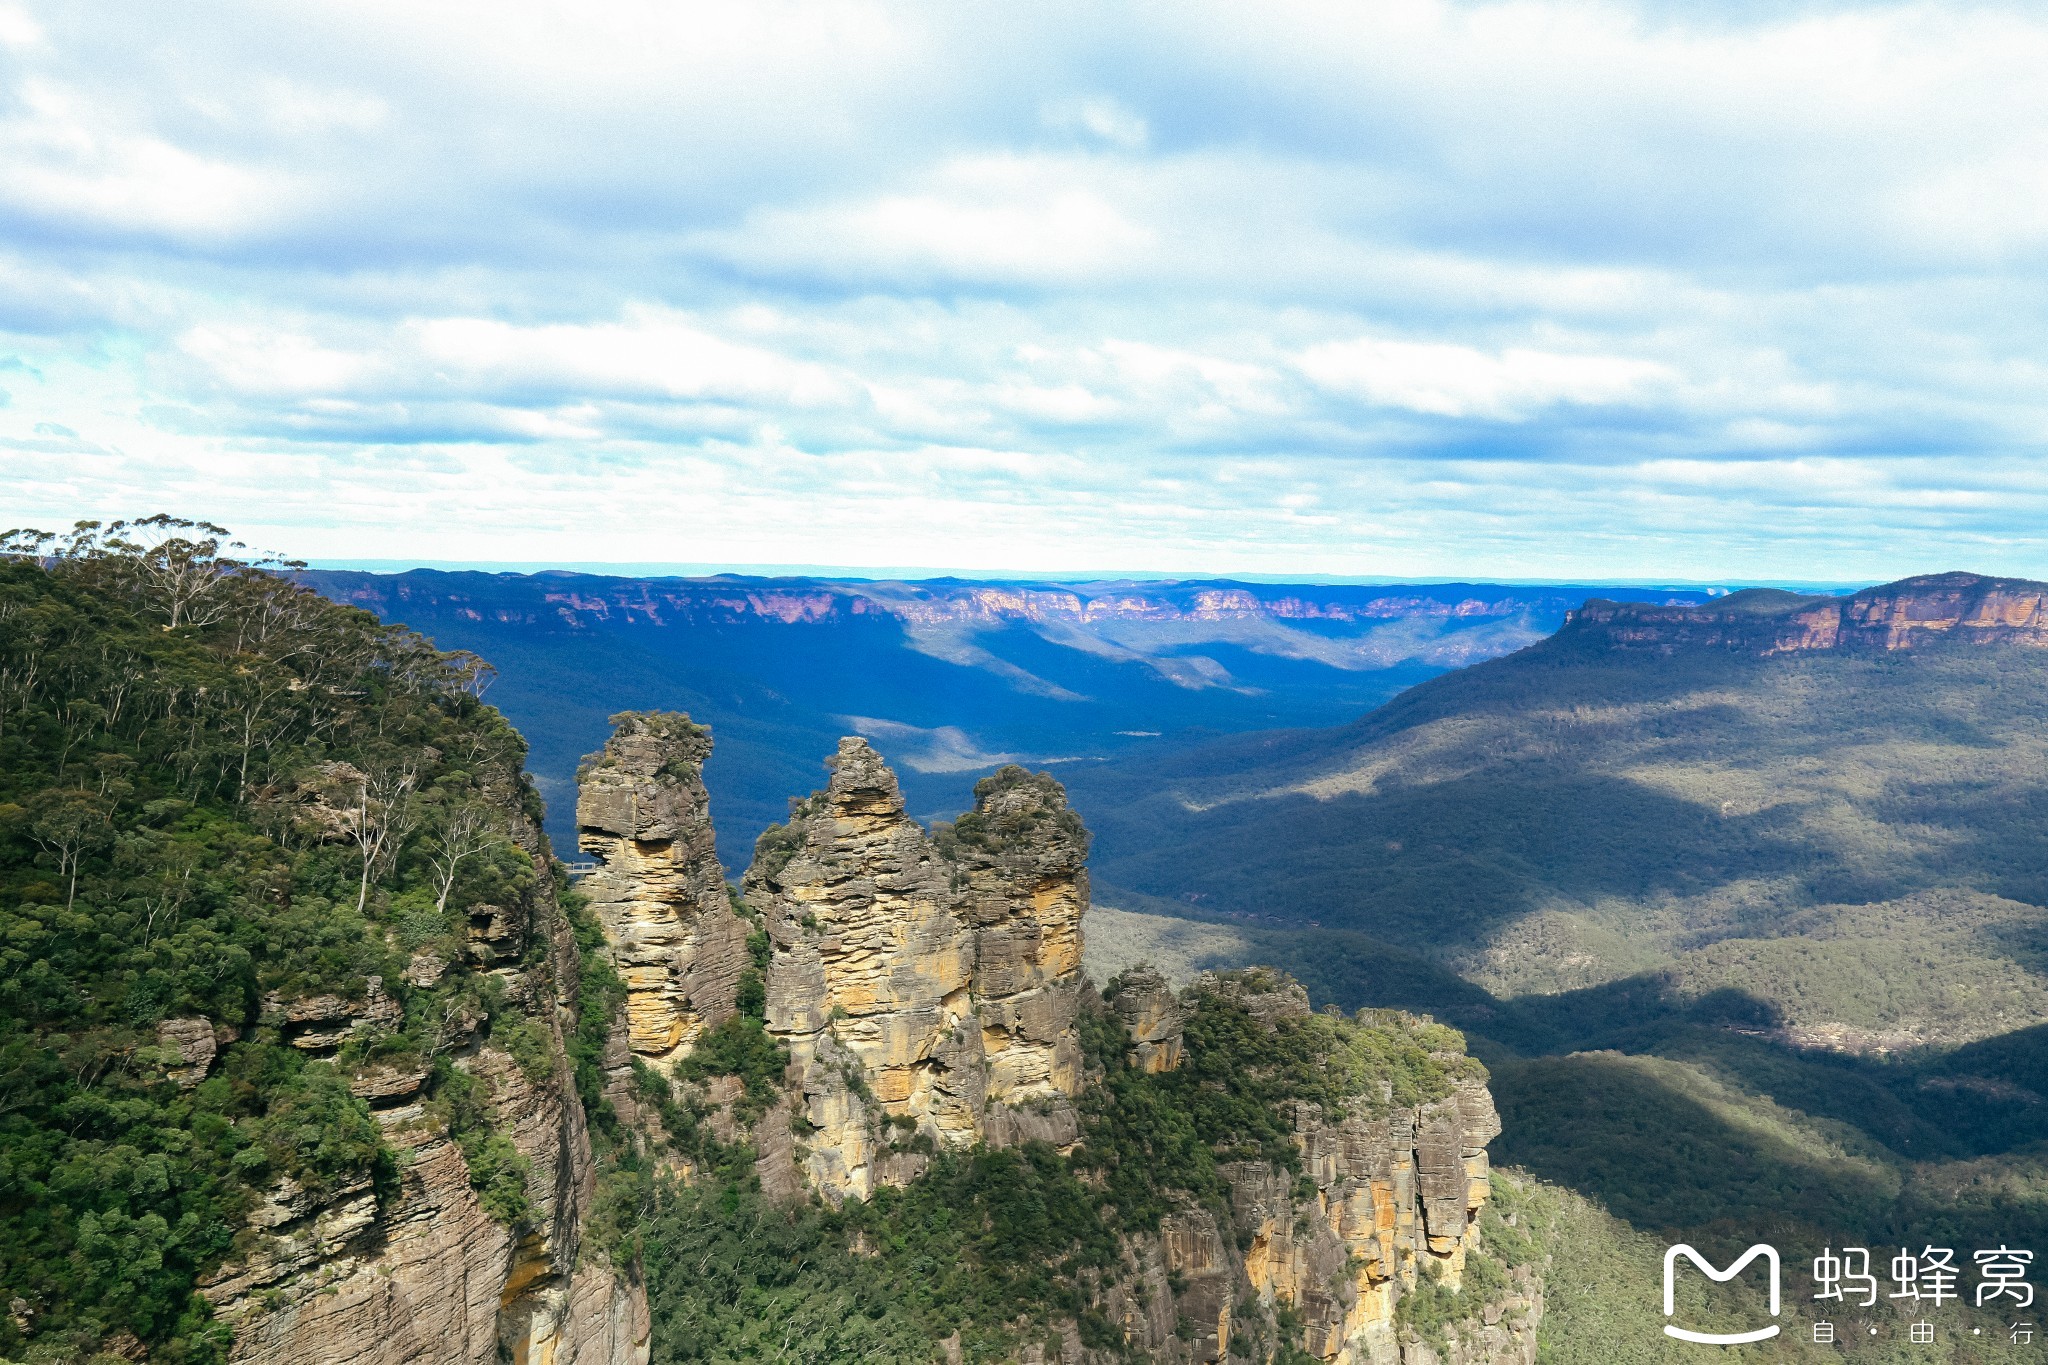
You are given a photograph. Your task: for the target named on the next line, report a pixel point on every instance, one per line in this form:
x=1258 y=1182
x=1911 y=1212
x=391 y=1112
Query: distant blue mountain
x=948 y=678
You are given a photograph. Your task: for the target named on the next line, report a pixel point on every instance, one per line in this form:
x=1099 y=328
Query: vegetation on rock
x=240 y=826
x=1002 y=1246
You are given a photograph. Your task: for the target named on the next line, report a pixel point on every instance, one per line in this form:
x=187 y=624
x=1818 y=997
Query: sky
x=1534 y=289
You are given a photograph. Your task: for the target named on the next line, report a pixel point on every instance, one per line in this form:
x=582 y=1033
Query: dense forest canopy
x=220 y=794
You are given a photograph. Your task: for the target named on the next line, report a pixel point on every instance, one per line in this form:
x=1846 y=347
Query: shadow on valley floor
x=1425 y=865
x=1663 y=1145
x=1686 y=1109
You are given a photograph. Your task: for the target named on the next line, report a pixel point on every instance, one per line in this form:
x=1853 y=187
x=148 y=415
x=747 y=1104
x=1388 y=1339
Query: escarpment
x=1256 y=1176
x=296 y=1017
x=475 y=1247
x=1914 y=613
x=1367 y=1193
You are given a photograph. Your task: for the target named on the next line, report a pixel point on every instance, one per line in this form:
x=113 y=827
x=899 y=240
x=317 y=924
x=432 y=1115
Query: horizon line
x=928 y=573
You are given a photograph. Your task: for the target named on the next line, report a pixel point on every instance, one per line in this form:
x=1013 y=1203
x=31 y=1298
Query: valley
x=1408 y=1039
x=1743 y=905
x=949 y=679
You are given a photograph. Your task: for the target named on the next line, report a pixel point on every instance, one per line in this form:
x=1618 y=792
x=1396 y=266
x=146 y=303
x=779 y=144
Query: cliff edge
x=1913 y=613
x=1249 y=1176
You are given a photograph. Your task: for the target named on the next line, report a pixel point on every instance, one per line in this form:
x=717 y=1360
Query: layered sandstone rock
x=1914 y=613
x=194 y=1042
x=1152 y=1015
x=424 y=1275
x=868 y=982
x=927 y=988
x=1018 y=868
x=1388 y=1196
x=1174 y=1296
x=643 y=814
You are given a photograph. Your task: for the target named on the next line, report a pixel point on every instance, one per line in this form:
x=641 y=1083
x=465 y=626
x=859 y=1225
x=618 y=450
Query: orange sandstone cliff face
x=1386 y=1199
x=424 y=1275
x=922 y=990
x=868 y=981
x=1914 y=613
x=659 y=891
x=927 y=985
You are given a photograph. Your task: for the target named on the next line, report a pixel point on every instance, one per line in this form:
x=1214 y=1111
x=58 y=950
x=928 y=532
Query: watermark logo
x=1770 y=1256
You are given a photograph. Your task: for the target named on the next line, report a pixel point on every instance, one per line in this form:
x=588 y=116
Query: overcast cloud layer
x=1534 y=289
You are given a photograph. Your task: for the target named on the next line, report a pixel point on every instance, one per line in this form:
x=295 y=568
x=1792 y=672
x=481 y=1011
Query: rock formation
x=659 y=891
x=927 y=988
x=1914 y=613
x=422 y=1274
x=1152 y=1016
x=1017 y=862
x=1390 y=1197
x=868 y=981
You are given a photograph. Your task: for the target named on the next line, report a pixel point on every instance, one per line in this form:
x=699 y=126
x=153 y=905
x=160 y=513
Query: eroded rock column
x=659 y=891
x=868 y=978
x=1019 y=857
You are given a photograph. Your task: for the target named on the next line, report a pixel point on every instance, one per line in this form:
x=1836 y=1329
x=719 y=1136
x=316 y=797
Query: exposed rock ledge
x=1914 y=613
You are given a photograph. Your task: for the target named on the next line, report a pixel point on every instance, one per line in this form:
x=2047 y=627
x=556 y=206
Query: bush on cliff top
x=189 y=749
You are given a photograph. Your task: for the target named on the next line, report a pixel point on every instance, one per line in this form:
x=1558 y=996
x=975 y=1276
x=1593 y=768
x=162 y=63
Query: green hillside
x=1854 y=840
x=220 y=793
x=1749 y=939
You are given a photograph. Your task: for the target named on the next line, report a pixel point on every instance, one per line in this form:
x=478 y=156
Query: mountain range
x=1745 y=903
x=1732 y=907
x=949 y=679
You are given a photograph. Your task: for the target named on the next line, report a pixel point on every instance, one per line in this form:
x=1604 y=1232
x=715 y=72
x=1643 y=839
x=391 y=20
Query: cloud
x=1458 y=381
x=1099 y=119
x=1415 y=286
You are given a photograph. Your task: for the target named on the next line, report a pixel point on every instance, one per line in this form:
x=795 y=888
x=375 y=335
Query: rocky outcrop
x=321 y=1023
x=927 y=988
x=1913 y=613
x=643 y=814
x=1387 y=1198
x=868 y=979
x=1175 y=1294
x=926 y=984
x=1018 y=870
x=1152 y=1015
x=191 y=1045
x=421 y=1273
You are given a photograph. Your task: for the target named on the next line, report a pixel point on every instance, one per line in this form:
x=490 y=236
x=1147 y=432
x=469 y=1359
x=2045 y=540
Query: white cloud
x=999 y=219
x=67 y=171
x=1459 y=381
x=1310 y=283
x=1101 y=119
x=649 y=354
x=17 y=29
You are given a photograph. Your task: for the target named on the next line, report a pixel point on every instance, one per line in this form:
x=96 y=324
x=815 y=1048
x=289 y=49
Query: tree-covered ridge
x=246 y=838
x=1001 y=1246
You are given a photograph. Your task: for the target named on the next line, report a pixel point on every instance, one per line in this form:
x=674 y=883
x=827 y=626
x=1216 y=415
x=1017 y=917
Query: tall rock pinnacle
x=1019 y=857
x=868 y=982
x=659 y=891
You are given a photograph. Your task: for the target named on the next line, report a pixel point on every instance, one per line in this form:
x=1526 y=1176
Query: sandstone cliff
x=420 y=1272
x=868 y=977
x=1386 y=1200
x=926 y=988
x=643 y=814
x=1017 y=870
x=923 y=991
x=1914 y=613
